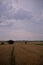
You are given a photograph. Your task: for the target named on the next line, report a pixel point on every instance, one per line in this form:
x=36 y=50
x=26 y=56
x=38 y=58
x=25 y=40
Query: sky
x=21 y=19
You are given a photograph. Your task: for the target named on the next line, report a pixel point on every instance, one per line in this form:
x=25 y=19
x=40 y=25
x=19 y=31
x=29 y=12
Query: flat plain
x=23 y=54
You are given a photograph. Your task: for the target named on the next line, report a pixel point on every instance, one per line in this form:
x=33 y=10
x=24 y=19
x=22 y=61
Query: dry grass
x=29 y=54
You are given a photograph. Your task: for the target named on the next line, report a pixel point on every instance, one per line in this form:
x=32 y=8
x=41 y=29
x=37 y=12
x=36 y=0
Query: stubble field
x=21 y=54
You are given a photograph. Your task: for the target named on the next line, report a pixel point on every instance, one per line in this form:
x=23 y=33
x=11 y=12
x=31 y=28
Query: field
x=20 y=53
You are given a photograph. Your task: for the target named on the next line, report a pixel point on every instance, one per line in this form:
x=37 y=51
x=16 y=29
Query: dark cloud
x=22 y=14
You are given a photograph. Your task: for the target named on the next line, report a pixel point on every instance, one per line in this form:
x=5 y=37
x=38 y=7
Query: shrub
x=25 y=42
x=2 y=43
x=10 y=41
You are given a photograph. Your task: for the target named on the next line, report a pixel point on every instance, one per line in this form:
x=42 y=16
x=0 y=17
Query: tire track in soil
x=12 y=62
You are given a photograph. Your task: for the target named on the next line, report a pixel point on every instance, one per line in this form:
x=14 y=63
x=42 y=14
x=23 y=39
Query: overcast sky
x=21 y=19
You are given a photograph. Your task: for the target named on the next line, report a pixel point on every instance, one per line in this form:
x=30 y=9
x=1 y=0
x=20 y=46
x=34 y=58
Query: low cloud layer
x=21 y=19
